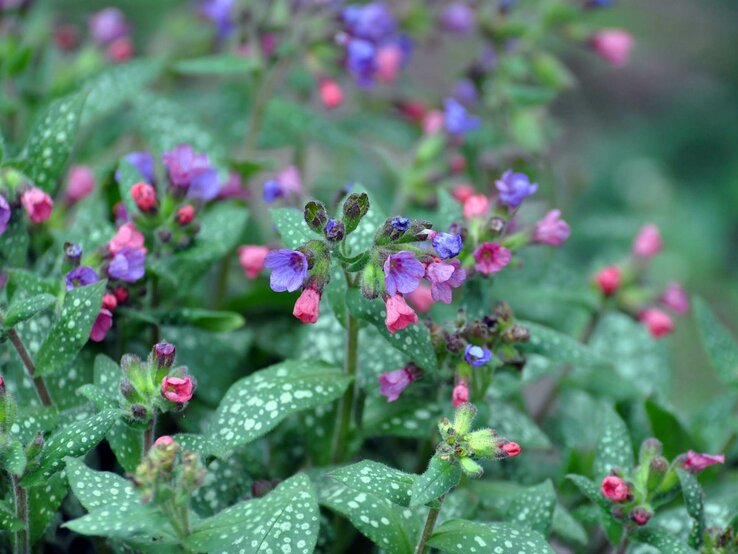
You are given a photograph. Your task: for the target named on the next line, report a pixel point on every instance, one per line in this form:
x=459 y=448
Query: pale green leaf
x=614 y=448
x=218 y=64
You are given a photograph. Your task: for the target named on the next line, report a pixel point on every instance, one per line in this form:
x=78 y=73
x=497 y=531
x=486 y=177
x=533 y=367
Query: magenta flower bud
x=251 y=258
x=164 y=440
x=80 y=182
x=551 y=230
x=648 y=242
x=491 y=258
x=102 y=325
x=392 y=383
x=177 y=389
x=331 y=94
x=476 y=205
x=675 y=298
x=307 y=307
x=640 y=516
x=460 y=394
x=512 y=449
x=615 y=489
x=613 y=45
x=658 y=323
x=694 y=462
x=164 y=353
x=37 y=204
x=608 y=280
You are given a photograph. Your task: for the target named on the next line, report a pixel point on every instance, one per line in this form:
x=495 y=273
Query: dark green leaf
x=440 y=477
x=559 y=347
x=460 y=536
x=721 y=346
x=694 y=500
x=291 y=227
x=534 y=507
x=662 y=540
x=221 y=322
x=614 y=448
x=377 y=479
x=26 y=308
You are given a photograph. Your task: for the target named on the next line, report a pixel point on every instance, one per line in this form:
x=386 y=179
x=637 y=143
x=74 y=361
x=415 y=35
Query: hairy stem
x=340 y=441
x=623 y=546
x=22 y=536
x=38 y=382
x=430 y=523
x=149 y=435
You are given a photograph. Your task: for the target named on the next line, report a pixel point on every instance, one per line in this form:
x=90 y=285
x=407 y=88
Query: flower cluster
x=622 y=284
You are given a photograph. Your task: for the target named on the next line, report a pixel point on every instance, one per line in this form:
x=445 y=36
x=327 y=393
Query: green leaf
x=284 y=520
x=256 y=404
x=720 y=345
x=8 y=521
x=559 y=347
x=14 y=243
x=613 y=528
x=43 y=504
x=51 y=141
x=460 y=536
x=568 y=528
x=73 y=440
x=440 y=477
x=14 y=458
x=98 y=489
x=392 y=527
x=449 y=211
x=666 y=425
x=614 y=448
x=510 y=422
x=22 y=282
x=116 y=85
x=219 y=64
x=127 y=176
x=72 y=330
x=209 y=320
x=661 y=539
x=291 y=227
x=414 y=341
x=26 y=308
x=412 y=419
x=226 y=482
x=378 y=480
x=534 y=507
x=694 y=500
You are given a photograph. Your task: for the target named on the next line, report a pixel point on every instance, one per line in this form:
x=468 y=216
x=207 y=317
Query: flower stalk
x=347 y=402
x=430 y=523
x=38 y=382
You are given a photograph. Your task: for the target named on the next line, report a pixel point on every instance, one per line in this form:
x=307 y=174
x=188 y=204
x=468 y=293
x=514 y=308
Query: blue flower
x=205 y=186
x=402 y=273
x=184 y=165
x=81 y=277
x=289 y=269
x=372 y=22
x=272 y=191
x=400 y=223
x=220 y=12
x=447 y=245
x=514 y=188
x=457 y=119
x=143 y=162
x=128 y=265
x=361 y=61
x=477 y=355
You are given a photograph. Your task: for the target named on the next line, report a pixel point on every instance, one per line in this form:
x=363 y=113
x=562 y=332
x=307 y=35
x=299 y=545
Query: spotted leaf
x=291 y=227
x=721 y=347
x=614 y=448
x=377 y=479
x=43 y=503
x=440 y=477
x=534 y=507
x=460 y=536
x=26 y=308
x=694 y=500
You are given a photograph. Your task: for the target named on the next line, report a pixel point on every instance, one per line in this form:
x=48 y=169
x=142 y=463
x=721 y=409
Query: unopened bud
x=503 y=312
x=510 y=448
x=496 y=225
x=164 y=353
x=477 y=329
x=128 y=390
x=483 y=442
x=185 y=215
x=165 y=235
x=355 y=208
x=34 y=447
x=144 y=196
x=372 y=281
x=454 y=343
x=139 y=412
x=657 y=469
x=471 y=468
x=72 y=253
x=640 y=515
x=463 y=418
x=516 y=333
x=334 y=231
x=315 y=216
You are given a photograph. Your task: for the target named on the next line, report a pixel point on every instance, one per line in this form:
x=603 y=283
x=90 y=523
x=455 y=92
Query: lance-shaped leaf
x=410 y=418
x=203 y=319
x=414 y=340
x=559 y=347
x=24 y=283
x=613 y=528
x=534 y=507
x=26 y=308
x=721 y=347
x=44 y=502
x=219 y=64
x=8 y=521
x=291 y=227
x=284 y=520
x=440 y=477
x=257 y=403
x=73 y=440
x=72 y=330
x=377 y=479
x=694 y=501
x=52 y=140
x=14 y=243
x=661 y=539
x=614 y=448
x=391 y=527
x=14 y=458
x=461 y=536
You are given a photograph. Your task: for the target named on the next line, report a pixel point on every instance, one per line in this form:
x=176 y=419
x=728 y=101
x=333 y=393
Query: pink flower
x=648 y=242
x=177 y=389
x=164 y=440
x=695 y=462
x=421 y=298
x=126 y=237
x=433 y=122
x=38 y=204
x=185 y=215
x=251 y=258
x=392 y=383
x=109 y=301
x=491 y=258
x=120 y=51
x=144 y=196
x=608 y=280
x=80 y=182
x=476 y=205
x=290 y=181
x=307 y=307
x=613 y=45
x=102 y=325
x=551 y=230
x=658 y=323
x=460 y=394
x=443 y=277
x=331 y=94
x=676 y=298
x=388 y=59
x=615 y=489
x=399 y=314
x=463 y=192
x=511 y=448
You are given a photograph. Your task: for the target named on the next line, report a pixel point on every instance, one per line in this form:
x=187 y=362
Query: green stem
x=623 y=546
x=149 y=435
x=340 y=442
x=155 y=330
x=430 y=523
x=22 y=536
x=38 y=382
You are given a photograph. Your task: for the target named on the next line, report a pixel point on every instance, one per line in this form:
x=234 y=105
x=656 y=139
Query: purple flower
x=372 y=22
x=514 y=188
x=477 y=355
x=272 y=191
x=220 y=12
x=445 y=276
x=205 y=186
x=108 y=25
x=448 y=245
x=128 y=265
x=392 y=383
x=286 y=183
x=289 y=269
x=457 y=119
x=465 y=91
x=400 y=224
x=81 y=277
x=184 y=165
x=143 y=162
x=551 y=229
x=458 y=17
x=4 y=214
x=361 y=61
x=402 y=273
